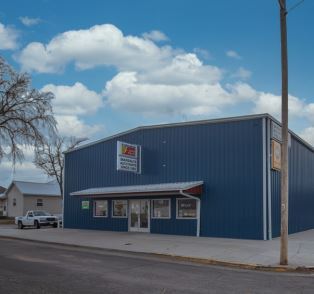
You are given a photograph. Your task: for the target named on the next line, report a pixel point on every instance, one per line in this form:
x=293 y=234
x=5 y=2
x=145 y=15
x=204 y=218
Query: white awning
x=143 y=190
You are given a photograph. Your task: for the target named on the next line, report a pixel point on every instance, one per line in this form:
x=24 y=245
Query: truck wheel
x=36 y=224
x=55 y=225
x=20 y=225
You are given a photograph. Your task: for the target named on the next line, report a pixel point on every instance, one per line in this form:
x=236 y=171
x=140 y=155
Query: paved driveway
x=301 y=245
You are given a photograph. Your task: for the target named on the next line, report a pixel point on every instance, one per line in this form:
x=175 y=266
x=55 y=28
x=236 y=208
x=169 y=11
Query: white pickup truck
x=36 y=218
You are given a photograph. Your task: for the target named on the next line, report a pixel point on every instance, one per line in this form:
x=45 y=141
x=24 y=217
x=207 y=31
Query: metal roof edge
x=308 y=145
x=169 y=125
x=41 y=194
x=191 y=185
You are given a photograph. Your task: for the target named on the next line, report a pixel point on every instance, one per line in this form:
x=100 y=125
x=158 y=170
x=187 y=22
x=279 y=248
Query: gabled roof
x=140 y=190
x=40 y=189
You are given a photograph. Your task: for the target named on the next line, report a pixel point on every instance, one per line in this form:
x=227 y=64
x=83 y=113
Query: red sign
x=128 y=150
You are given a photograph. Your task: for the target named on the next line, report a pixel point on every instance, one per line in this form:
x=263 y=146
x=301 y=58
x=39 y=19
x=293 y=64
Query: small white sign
x=128 y=157
x=276 y=131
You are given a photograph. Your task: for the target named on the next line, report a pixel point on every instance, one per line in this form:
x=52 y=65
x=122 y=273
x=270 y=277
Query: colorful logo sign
x=128 y=150
x=128 y=157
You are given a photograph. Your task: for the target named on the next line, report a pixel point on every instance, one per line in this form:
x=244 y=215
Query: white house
x=23 y=196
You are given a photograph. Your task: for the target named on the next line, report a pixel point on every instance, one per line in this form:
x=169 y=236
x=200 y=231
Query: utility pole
x=284 y=146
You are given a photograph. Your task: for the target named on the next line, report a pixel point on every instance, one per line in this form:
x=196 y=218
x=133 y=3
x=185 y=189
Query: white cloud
x=151 y=79
x=183 y=69
x=233 y=54
x=203 y=53
x=156 y=36
x=308 y=135
x=71 y=125
x=28 y=21
x=126 y=91
x=242 y=74
x=270 y=103
x=99 y=45
x=74 y=100
x=25 y=171
x=8 y=37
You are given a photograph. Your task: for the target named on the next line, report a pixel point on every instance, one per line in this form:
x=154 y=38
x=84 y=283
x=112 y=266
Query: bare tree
x=26 y=116
x=49 y=156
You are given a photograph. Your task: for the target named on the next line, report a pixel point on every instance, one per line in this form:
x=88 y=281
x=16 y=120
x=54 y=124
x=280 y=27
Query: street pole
x=284 y=147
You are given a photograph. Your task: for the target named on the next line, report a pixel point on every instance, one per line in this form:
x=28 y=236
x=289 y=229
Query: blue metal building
x=217 y=178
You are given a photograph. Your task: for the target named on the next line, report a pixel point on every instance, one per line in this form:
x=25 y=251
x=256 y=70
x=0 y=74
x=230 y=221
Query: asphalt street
x=28 y=267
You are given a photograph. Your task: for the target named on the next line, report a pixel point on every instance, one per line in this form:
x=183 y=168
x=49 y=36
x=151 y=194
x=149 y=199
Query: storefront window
x=186 y=208
x=119 y=208
x=101 y=208
x=161 y=208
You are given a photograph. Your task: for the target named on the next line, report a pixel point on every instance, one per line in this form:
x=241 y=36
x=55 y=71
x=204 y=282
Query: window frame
x=94 y=209
x=42 y=202
x=14 y=202
x=177 y=209
x=152 y=208
x=112 y=208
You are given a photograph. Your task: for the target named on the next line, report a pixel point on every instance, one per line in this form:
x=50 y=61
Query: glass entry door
x=139 y=216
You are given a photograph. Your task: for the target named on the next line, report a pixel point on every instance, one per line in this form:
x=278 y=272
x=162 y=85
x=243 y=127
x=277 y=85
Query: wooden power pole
x=284 y=147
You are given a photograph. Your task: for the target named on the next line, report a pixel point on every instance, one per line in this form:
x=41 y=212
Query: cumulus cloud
x=71 y=125
x=308 y=135
x=74 y=100
x=242 y=73
x=151 y=78
x=28 y=21
x=270 y=103
x=233 y=54
x=203 y=53
x=98 y=45
x=156 y=36
x=8 y=37
x=70 y=103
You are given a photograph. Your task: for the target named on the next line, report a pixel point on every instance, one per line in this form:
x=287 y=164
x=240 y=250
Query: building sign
x=128 y=157
x=276 y=131
x=85 y=204
x=276 y=155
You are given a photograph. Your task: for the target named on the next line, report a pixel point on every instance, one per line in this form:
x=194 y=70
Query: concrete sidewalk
x=260 y=253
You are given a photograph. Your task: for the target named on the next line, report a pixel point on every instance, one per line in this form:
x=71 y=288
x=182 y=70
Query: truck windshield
x=41 y=213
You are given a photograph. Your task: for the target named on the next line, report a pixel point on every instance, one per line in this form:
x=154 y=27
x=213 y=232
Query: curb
x=216 y=262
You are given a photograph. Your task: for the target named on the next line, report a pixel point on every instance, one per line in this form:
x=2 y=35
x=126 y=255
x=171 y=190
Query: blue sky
x=114 y=65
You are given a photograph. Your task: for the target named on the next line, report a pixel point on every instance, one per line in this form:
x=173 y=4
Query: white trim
x=187 y=198
x=270 y=234
x=100 y=216
x=264 y=180
x=112 y=208
x=152 y=208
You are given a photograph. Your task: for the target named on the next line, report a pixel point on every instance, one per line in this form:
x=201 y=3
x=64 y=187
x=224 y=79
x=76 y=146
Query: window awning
x=193 y=188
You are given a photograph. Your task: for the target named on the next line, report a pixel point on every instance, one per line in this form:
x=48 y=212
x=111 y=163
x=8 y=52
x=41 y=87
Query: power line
x=295 y=6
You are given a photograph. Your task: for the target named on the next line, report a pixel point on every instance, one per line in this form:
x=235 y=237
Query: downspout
x=198 y=210
x=63 y=185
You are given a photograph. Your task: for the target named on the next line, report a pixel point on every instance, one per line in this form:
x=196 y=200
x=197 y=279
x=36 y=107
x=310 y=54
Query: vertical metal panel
x=264 y=180
x=269 y=190
x=301 y=190
x=227 y=156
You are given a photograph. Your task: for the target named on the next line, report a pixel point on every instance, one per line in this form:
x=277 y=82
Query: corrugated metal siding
x=301 y=190
x=227 y=156
x=173 y=225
